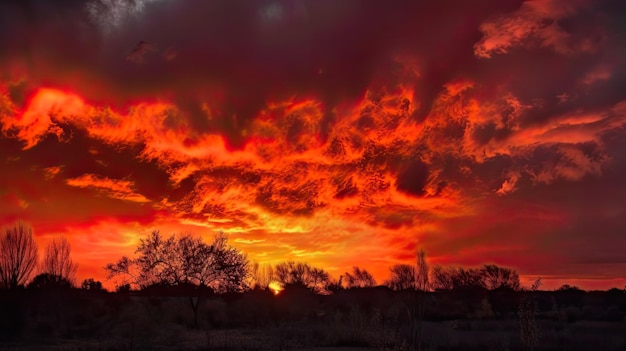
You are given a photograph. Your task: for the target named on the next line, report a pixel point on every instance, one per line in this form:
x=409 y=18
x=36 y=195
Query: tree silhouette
x=228 y=268
x=451 y=278
x=303 y=275
x=57 y=261
x=402 y=277
x=182 y=260
x=441 y=278
x=292 y=273
x=495 y=277
x=319 y=279
x=185 y=261
x=490 y=277
x=413 y=281
x=463 y=278
x=422 y=272
x=422 y=285
x=91 y=285
x=359 y=278
x=18 y=255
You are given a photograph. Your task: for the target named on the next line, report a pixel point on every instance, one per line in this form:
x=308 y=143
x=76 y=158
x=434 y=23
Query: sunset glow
x=337 y=133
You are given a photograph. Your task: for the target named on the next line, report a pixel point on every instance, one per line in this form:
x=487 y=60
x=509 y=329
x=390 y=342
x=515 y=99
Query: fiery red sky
x=339 y=133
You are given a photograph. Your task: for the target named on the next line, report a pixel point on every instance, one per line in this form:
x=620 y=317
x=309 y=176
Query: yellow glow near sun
x=276 y=288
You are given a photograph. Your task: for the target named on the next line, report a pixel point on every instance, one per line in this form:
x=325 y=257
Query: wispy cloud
x=114 y=188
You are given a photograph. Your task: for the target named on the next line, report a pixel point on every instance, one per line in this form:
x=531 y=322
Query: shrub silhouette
x=92 y=285
x=49 y=281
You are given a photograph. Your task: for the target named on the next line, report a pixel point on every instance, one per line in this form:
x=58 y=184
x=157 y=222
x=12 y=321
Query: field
x=356 y=319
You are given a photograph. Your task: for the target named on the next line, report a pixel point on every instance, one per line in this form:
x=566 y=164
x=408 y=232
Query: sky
x=340 y=133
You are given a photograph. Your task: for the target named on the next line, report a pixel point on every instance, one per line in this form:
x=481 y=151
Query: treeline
x=179 y=288
x=187 y=260
x=19 y=260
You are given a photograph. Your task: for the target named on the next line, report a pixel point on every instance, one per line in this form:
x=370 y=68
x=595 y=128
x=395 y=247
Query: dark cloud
x=345 y=188
x=412 y=179
x=141 y=50
x=236 y=57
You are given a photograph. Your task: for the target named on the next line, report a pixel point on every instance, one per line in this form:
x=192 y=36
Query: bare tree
x=293 y=273
x=185 y=261
x=495 y=277
x=422 y=285
x=449 y=278
x=301 y=274
x=422 y=272
x=18 y=255
x=231 y=268
x=442 y=278
x=57 y=261
x=319 y=279
x=488 y=277
x=467 y=278
x=359 y=278
x=402 y=277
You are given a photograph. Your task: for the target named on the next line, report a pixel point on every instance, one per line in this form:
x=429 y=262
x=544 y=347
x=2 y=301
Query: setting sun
x=276 y=288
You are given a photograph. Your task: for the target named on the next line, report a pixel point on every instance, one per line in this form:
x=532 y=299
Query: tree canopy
x=301 y=274
x=489 y=276
x=57 y=262
x=359 y=278
x=18 y=255
x=183 y=260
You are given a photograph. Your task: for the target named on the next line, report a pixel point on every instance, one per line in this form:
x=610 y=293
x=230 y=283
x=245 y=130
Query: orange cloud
x=114 y=188
x=39 y=118
x=288 y=194
x=52 y=172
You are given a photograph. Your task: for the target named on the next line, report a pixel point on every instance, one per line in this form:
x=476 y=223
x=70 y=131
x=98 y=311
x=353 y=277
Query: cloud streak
x=116 y=189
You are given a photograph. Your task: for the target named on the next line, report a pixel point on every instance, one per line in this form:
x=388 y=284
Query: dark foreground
x=350 y=320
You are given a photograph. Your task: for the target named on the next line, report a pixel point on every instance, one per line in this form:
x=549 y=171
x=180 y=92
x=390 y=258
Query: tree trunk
x=194 y=307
